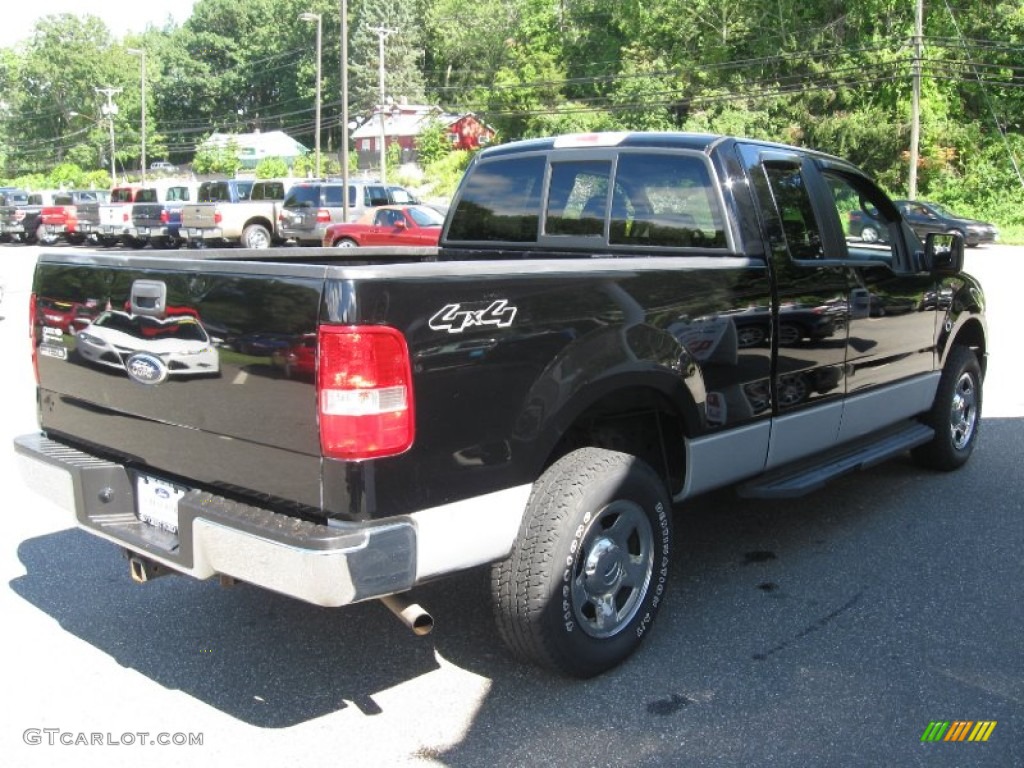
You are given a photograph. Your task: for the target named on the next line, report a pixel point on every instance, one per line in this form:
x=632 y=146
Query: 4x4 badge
x=454 y=318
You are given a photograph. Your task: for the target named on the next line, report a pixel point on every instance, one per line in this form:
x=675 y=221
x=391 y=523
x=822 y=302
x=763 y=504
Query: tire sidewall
x=941 y=453
x=579 y=652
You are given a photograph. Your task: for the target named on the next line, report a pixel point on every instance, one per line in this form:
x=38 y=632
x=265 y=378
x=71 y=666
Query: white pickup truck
x=234 y=211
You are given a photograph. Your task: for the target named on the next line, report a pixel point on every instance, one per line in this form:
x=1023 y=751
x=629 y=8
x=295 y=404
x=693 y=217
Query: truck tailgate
x=195 y=388
x=199 y=216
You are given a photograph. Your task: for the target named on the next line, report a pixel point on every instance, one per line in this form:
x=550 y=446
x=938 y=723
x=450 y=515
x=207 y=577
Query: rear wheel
x=256 y=236
x=167 y=243
x=589 y=568
x=346 y=242
x=955 y=415
x=789 y=335
x=43 y=237
x=869 y=234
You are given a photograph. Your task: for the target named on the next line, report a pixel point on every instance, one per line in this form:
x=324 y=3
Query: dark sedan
x=924 y=218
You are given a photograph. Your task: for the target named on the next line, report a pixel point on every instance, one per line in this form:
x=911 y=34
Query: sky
x=120 y=16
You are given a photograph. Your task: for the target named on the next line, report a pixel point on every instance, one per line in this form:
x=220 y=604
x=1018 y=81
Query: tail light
x=323 y=216
x=126 y=215
x=218 y=217
x=32 y=335
x=364 y=389
x=165 y=217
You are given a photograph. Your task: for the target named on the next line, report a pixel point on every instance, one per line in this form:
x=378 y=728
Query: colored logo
x=958 y=730
x=145 y=368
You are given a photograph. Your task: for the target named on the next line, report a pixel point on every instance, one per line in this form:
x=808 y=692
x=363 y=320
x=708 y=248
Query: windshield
x=144 y=327
x=943 y=211
x=426 y=217
x=303 y=197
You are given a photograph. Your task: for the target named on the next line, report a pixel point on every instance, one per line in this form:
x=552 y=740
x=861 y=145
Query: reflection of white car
x=180 y=342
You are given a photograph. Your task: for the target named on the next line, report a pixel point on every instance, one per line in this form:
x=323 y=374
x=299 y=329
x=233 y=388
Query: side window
x=799 y=227
x=332 y=197
x=499 y=201
x=376 y=195
x=665 y=200
x=577 y=198
x=859 y=208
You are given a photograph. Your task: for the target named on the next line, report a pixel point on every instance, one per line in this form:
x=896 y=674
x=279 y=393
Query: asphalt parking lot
x=825 y=631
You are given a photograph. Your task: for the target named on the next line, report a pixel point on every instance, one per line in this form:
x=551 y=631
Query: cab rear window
x=501 y=201
x=634 y=199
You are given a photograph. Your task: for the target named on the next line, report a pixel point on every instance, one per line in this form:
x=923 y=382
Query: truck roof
x=700 y=142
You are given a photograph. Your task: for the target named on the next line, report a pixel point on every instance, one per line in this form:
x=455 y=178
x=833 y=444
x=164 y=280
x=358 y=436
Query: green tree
x=403 y=76
x=271 y=168
x=217 y=159
x=433 y=143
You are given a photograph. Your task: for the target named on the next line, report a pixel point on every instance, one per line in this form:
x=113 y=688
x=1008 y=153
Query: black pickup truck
x=612 y=324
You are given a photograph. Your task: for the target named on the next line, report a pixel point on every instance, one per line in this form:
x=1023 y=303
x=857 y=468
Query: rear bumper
x=324 y=565
x=315 y=235
x=197 y=233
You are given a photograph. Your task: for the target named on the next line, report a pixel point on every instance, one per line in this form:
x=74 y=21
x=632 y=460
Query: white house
x=254 y=147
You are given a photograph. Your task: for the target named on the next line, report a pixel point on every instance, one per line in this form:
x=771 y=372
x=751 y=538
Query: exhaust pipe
x=143 y=569
x=409 y=613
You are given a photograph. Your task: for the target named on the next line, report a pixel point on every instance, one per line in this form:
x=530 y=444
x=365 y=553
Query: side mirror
x=944 y=253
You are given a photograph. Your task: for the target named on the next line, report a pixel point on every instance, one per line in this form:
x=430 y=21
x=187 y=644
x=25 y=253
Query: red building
x=403 y=124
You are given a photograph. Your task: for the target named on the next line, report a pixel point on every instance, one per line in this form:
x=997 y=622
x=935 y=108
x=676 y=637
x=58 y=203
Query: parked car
x=164 y=166
x=312 y=206
x=159 y=222
x=924 y=218
x=298 y=359
x=21 y=219
x=115 y=339
x=60 y=219
x=388 y=225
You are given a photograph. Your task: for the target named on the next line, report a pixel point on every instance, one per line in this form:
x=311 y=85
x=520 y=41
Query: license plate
x=142 y=231
x=157 y=502
x=197 y=233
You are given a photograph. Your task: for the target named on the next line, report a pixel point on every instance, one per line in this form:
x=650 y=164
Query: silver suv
x=311 y=206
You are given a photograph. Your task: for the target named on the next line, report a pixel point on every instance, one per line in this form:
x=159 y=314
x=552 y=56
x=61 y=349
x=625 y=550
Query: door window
x=799 y=228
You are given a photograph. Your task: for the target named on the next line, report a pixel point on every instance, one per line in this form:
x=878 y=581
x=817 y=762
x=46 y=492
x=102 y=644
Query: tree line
x=820 y=73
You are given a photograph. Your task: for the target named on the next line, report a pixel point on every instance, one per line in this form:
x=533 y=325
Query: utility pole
x=318 y=18
x=142 y=53
x=382 y=34
x=110 y=109
x=915 y=107
x=344 y=109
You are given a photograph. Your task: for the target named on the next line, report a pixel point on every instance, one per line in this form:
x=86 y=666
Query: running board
x=804 y=477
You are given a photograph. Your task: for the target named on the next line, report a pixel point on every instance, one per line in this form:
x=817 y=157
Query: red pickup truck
x=60 y=220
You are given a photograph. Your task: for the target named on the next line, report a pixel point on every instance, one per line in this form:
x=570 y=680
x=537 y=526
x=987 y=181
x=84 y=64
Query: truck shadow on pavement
x=774 y=604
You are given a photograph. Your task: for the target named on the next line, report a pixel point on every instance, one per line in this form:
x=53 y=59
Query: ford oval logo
x=146 y=368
